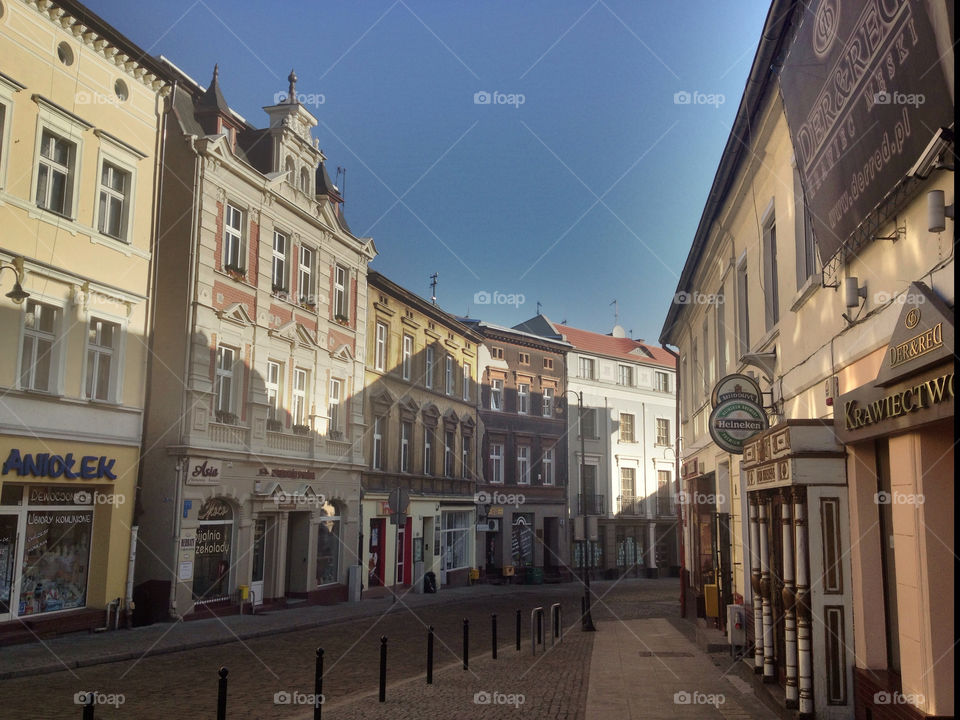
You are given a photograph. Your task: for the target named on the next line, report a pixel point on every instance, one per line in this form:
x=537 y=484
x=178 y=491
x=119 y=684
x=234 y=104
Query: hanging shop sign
x=51 y=465
x=733 y=421
x=736 y=387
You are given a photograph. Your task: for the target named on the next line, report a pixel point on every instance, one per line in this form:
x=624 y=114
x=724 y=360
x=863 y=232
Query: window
x=548 y=363
x=707 y=360
x=448 y=441
x=524 y=358
x=299 y=397
x=380 y=351
x=661 y=381
x=548 y=402
x=626 y=428
x=743 y=310
x=496 y=353
x=333 y=411
x=466 y=381
x=428 y=368
x=496 y=395
x=771 y=293
x=406 y=435
x=427 y=450
x=281 y=244
x=587 y=368
x=376 y=462
x=340 y=292
x=272 y=384
x=496 y=463
x=465 y=457
x=696 y=373
x=233 y=239
x=803 y=232
x=721 y=335
x=3 y=138
x=663 y=431
x=448 y=374
x=628 y=489
x=305 y=181
x=625 y=376
x=547 y=465
x=39 y=364
x=664 y=495
x=523 y=465
x=455 y=541
x=328 y=551
x=305 y=277
x=55 y=173
x=588 y=423
x=407 y=356
x=224 y=379
x=102 y=339
x=523 y=398
x=114 y=208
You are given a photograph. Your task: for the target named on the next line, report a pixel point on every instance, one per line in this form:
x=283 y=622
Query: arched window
x=305 y=181
x=290 y=170
x=211 y=568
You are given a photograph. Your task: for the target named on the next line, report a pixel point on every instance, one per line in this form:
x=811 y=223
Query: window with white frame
x=626 y=428
x=305 y=181
x=547 y=466
x=299 y=396
x=3 y=139
x=496 y=394
x=721 y=334
x=305 y=276
x=56 y=168
x=587 y=368
x=771 y=290
x=428 y=368
x=625 y=376
x=628 y=488
x=233 y=239
x=496 y=463
x=548 y=402
x=661 y=381
x=406 y=436
x=102 y=342
x=281 y=247
x=588 y=423
x=663 y=431
x=226 y=357
x=455 y=539
x=380 y=349
x=407 y=356
x=272 y=386
x=707 y=359
x=340 y=292
x=803 y=233
x=376 y=462
x=523 y=398
x=448 y=441
x=427 y=450
x=448 y=374
x=664 y=494
x=523 y=464
x=335 y=427
x=465 y=457
x=115 y=197
x=743 y=309
x=466 y=381
x=39 y=357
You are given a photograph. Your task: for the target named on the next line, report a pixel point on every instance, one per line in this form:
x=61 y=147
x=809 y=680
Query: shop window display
x=56 y=559
x=211 y=572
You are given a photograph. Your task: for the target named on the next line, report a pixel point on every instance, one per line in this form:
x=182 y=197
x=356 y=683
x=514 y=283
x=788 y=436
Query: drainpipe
x=128 y=603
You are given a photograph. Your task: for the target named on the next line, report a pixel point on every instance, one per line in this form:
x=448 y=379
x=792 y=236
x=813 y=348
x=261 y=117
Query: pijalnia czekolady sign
x=733 y=421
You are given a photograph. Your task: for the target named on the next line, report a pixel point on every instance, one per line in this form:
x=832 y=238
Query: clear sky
x=588 y=190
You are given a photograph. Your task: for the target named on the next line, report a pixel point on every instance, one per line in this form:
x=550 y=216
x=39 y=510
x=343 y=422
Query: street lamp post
x=584 y=566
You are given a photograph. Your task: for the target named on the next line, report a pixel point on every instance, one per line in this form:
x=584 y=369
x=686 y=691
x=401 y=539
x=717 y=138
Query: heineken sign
x=734 y=421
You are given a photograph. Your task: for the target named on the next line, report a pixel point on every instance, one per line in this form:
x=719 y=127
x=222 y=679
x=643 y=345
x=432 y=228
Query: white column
x=805 y=656
x=755 y=586
x=789 y=621
x=769 y=670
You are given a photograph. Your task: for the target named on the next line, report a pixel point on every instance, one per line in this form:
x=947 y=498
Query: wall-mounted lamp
x=938 y=211
x=852 y=292
x=17 y=294
x=934 y=156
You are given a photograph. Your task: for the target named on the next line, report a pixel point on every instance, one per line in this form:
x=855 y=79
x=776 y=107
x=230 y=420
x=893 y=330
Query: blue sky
x=589 y=190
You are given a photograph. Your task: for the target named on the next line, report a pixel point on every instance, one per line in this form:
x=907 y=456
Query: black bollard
x=430 y=656
x=318 y=685
x=583 y=611
x=222 y=695
x=518 y=631
x=540 y=628
x=88 y=704
x=466 y=643
x=493 y=633
x=383 y=668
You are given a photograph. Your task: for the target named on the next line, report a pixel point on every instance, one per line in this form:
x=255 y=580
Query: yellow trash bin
x=244 y=593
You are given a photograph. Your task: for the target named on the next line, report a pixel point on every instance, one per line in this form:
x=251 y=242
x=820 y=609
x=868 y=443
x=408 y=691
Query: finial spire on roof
x=292 y=90
x=216 y=71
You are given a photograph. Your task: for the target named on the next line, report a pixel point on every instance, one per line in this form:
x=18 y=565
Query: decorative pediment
x=468 y=426
x=294 y=333
x=430 y=415
x=235 y=313
x=409 y=408
x=382 y=401
x=451 y=419
x=343 y=353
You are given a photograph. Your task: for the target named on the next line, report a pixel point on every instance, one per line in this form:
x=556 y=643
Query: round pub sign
x=733 y=421
x=736 y=387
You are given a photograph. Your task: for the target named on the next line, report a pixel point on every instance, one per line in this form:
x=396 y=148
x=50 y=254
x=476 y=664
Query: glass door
x=8 y=558
x=259 y=560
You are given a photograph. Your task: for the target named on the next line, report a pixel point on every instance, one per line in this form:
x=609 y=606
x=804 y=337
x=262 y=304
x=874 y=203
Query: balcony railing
x=630 y=506
x=592 y=505
x=224 y=434
x=297 y=444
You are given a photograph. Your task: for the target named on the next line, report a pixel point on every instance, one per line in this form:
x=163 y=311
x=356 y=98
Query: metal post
x=536 y=622
x=383 y=668
x=222 y=695
x=430 y=656
x=466 y=644
x=556 y=618
x=318 y=685
x=518 y=631
x=88 y=705
x=493 y=634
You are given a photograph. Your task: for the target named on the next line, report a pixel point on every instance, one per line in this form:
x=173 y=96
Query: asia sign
x=864 y=90
x=734 y=421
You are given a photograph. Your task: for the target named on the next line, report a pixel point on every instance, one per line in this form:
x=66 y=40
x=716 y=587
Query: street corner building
x=814 y=324
x=80 y=115
x=420 y=413
x=253 y=439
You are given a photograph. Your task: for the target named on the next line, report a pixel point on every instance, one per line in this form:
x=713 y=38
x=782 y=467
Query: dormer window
x=305 y=181
x=289 y=169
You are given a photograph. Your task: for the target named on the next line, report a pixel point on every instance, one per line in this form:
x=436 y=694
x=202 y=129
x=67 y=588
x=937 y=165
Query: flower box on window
x=236 y=272
x=226 y=418
x=308 y=303
x=280 y=291
x=301 y=429
x=335 y=435
x=342 y=319
x=274 y=426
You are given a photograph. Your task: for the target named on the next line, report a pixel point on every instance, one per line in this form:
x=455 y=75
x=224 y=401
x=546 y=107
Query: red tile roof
x=616 y=347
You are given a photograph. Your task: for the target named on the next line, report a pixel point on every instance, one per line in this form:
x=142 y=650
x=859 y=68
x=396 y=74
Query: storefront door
x=8 y=563
x=259 y=560
x=377 y=545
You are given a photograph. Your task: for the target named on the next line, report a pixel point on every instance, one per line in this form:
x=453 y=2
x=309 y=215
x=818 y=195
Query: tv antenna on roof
x=342 y=188
x=616 y=312
x=539 y=305
x=433 y=288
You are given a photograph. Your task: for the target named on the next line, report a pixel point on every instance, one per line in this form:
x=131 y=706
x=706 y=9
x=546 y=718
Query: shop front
x=522 y=541
x=65 y=527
